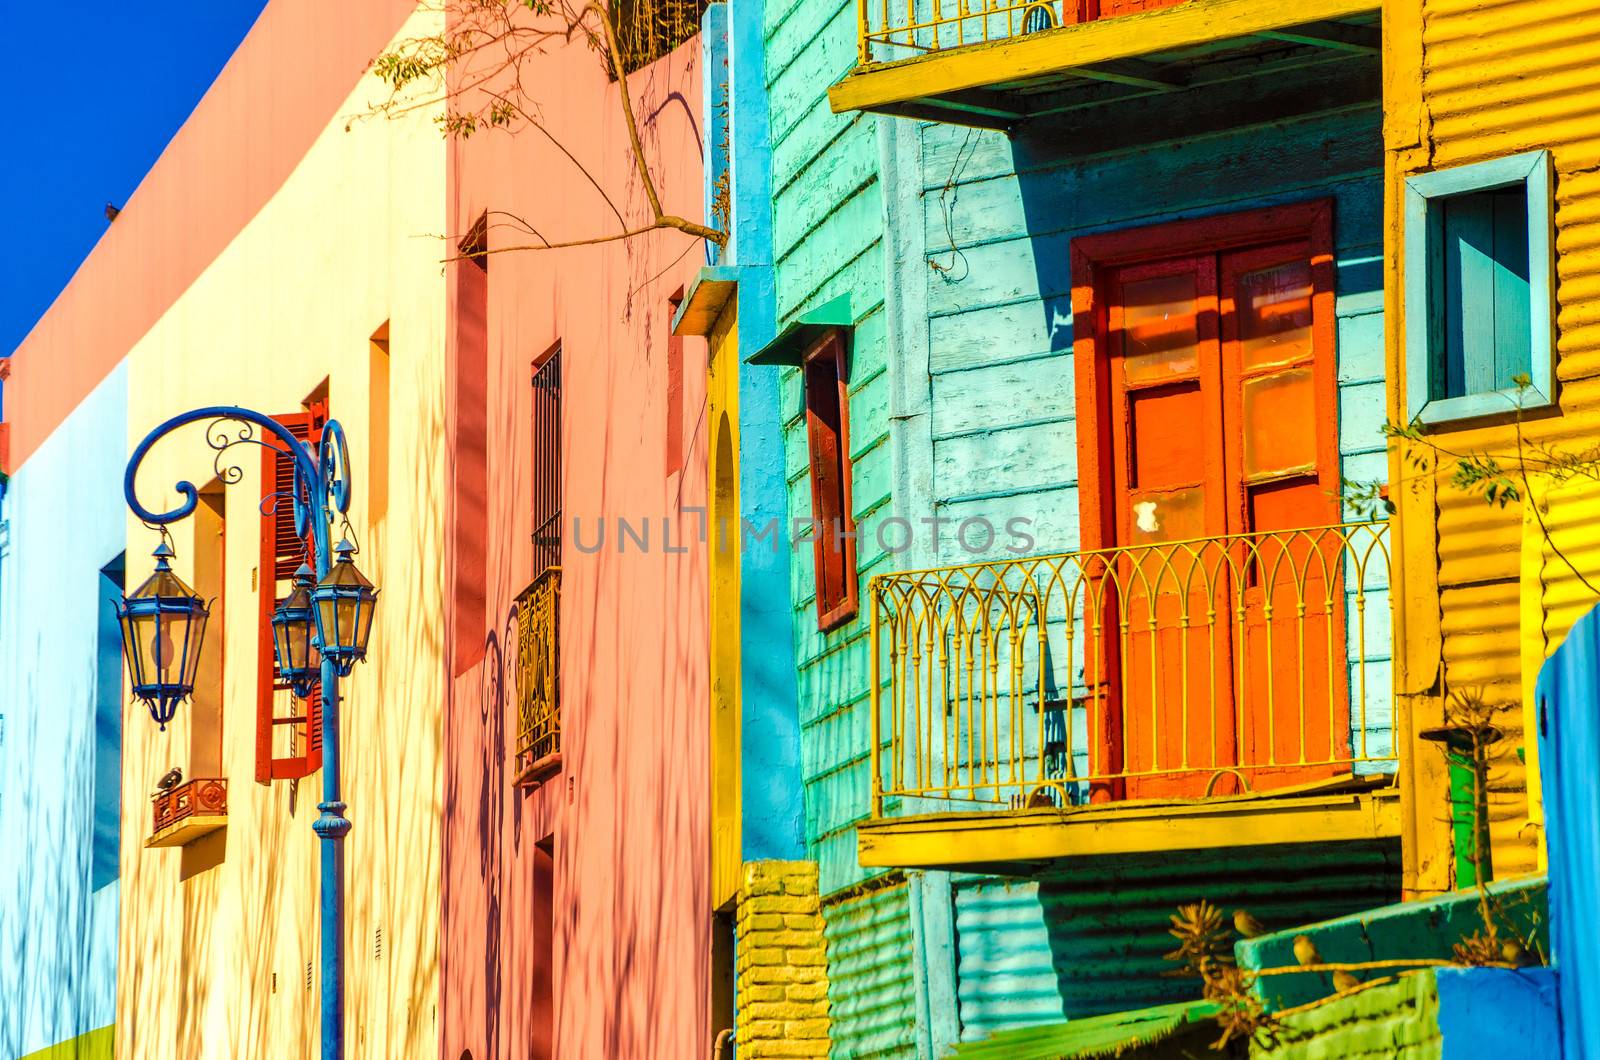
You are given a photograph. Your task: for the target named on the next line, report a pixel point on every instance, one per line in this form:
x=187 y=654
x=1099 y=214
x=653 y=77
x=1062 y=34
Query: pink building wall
x=627 y=820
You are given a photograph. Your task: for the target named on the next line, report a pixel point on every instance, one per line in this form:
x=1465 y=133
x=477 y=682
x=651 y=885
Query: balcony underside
x=1248 y=59
x=1021 y=842
x=185 y=831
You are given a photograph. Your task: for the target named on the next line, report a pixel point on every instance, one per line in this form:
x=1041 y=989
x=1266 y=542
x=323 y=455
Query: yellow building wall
x=218 y=952
x=1466 y=81
x=722 y=407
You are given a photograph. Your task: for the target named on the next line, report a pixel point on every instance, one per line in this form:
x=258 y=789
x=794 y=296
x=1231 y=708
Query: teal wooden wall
x=961 y=403
x=997 y=216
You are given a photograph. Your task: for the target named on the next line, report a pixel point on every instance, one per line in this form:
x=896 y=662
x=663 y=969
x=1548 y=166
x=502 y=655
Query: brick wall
x=782 y=968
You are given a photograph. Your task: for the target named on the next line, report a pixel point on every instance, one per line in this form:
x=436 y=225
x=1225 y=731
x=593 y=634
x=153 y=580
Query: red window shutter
x=282 y=552
x=833 y=523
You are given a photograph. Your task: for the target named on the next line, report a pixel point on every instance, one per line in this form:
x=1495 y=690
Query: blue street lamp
x=163 y=625
x=319 y=631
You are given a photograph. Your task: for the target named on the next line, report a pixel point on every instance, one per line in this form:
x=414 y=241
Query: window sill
x=539 y=771
x=1444 y=411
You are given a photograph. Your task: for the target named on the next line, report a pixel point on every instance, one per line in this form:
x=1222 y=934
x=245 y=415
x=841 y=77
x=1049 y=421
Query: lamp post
x=319 y=631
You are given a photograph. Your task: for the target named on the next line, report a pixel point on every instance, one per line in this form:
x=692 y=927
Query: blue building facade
x=60 y=762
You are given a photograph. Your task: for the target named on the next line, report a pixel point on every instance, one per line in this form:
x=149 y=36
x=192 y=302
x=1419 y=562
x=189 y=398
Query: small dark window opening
x=833 y=523
x=546 y=462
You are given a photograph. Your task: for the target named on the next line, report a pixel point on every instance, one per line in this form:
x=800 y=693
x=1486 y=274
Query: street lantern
x=344 y=601
x=294 y=635
x=163 y=624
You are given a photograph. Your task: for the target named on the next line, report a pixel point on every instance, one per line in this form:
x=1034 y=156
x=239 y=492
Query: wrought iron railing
x=900 y=29
x=538 y=753
x=1175 y=669
x=201 y=797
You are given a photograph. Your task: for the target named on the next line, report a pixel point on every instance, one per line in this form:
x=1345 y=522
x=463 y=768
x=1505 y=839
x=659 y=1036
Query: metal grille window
x=546 y=463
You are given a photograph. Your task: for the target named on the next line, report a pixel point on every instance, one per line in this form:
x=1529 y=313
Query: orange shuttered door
x=1218 y=646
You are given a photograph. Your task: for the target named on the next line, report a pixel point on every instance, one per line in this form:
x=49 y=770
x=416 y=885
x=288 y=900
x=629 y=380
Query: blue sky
x=94 y=96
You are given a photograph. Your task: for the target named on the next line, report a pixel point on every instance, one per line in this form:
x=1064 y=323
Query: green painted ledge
x=1182 y=1029
x=1399 y=1020
x=96 y=1045
x=1420 y=929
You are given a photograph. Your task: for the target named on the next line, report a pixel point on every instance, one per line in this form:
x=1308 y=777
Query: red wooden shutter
x=833 y=524
x=282 y=552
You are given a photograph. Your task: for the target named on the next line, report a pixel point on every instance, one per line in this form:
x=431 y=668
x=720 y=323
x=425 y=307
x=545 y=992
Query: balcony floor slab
x=1022 y=842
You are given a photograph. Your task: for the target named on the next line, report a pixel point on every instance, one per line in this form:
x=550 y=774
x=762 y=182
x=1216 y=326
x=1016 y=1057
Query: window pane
x=1175 y=515
x=1280 y=423
x=1160 y=331
x=1274 y=312
x=1487 y=339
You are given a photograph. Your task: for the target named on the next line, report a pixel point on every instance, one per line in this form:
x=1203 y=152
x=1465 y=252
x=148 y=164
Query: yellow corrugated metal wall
x=1473 y=80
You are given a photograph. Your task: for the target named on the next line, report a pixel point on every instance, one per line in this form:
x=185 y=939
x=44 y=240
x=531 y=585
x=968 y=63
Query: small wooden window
x=1478 y=289
x=833 y=524
x=282 y=552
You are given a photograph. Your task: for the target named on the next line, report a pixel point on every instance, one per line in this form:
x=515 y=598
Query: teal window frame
x=1424 y=275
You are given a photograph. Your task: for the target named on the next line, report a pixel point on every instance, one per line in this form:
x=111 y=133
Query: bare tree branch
x=482 y=25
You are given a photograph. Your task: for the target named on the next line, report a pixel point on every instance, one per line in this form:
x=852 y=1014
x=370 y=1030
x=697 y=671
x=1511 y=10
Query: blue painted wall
x=828 y=240
x=1495 y=1013
x=58 y=931
x=1569 y=743
x=771 y=802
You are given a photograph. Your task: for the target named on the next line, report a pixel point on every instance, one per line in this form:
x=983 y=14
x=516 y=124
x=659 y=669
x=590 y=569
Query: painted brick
x=781 y=972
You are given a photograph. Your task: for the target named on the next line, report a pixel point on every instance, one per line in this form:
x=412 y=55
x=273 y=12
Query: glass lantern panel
x=364 y=631
x=155 y=643
x=130 y=648
x=196 y=638
x=327 y=626
x=347 y=621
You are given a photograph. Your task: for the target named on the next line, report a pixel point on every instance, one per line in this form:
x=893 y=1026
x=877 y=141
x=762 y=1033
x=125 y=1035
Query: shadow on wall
x=51 y=917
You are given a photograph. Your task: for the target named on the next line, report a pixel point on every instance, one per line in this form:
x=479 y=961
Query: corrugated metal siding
x=1400 y=1020
x=872 y=999
x=1093 y=941
x=1499 y=77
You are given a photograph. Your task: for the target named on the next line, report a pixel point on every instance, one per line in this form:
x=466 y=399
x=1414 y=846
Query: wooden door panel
x=1278 y=364
x=1172 y=658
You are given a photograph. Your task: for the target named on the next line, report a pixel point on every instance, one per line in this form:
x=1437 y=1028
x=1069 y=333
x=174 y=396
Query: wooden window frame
x=1423 y=235
x=1095 y=258
x=834 y=608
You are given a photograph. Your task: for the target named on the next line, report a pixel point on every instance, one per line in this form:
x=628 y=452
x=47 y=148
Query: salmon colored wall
x=629 y=813
x=243 y=139
x=216 y=937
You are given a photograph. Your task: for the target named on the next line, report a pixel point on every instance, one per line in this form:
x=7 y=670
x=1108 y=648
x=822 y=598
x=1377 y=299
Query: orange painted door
x=1282 y=451
x=1216 y=655
x=1168 y=668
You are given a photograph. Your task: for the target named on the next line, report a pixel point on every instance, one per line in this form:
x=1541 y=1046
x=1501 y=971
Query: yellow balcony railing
x=899 y=29
x=538 y=754
x=1196 y=668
